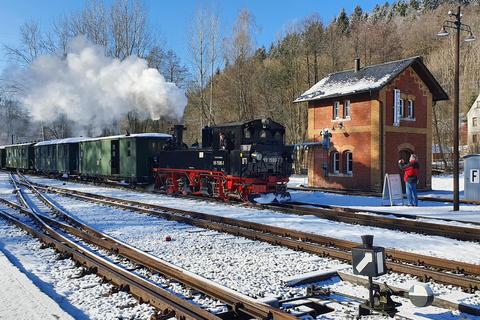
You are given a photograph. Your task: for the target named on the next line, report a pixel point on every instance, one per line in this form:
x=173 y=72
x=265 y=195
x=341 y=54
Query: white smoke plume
x=94 y=90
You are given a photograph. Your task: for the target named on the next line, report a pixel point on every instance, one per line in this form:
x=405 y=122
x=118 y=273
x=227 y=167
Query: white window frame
x=474 y=121
x=401 y=109
x=349 y=162
x=411 y=106
x=346 y=109
x=336 y=110
x=336 y=162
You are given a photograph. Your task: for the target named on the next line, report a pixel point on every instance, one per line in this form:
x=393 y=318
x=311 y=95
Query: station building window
x=410 y=106
x=336 y=110
x=474 y=122
x=401 y=111
x=348 y=159
x=335 y=162
x=346 y=109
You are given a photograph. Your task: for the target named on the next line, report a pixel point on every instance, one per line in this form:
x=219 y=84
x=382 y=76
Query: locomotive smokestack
x=178 y=133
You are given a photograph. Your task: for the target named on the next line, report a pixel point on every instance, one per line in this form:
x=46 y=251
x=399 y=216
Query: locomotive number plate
x=218 y=162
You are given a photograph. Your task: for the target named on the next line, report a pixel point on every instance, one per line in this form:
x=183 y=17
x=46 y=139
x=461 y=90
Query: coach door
x=115 y=157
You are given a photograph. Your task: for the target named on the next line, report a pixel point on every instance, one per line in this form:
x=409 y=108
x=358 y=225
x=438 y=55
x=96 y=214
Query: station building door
x=405 y=155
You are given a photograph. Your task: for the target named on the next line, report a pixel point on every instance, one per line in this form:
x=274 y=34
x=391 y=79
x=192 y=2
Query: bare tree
x=173 y=70
x=239 y=49
x=129 y=29
x=198 y=47
x=32 y=44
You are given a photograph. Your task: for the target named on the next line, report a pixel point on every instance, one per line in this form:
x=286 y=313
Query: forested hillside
x=263 y=82
x=229 y=77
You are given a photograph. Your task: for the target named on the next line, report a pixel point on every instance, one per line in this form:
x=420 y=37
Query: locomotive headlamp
x=257 y=156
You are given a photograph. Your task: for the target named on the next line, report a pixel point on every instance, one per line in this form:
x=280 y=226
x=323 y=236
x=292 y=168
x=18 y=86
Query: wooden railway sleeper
x=210 y=225
x=282 y=315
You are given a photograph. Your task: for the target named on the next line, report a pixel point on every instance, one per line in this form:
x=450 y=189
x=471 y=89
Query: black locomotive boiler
x=240 y=160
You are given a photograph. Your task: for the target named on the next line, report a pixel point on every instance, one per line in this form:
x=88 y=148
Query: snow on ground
x=442 y=187
x=251 y=267
x=81 y=297
x=254 y=268
x=21 y=299
x=428 y=245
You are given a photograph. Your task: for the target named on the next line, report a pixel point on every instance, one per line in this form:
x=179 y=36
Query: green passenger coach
x=124 y=157
x=20 y=156
x=58 y=156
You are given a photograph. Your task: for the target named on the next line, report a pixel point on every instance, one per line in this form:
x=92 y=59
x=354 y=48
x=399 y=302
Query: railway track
x=464 y=275
x=407 y=223
x=165 y=302
x=377 y=194
x=240 y=305
x=355 y=216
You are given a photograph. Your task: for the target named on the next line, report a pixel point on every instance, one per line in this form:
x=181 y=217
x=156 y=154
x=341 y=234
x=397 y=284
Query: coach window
x=335 y=162
x=348 y=162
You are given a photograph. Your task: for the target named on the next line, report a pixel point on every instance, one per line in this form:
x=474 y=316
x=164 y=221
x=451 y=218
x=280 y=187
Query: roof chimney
x=357 y=64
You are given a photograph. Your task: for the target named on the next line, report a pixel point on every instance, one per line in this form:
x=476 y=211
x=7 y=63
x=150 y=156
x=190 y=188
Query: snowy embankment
x=442 y=187
x=82 y=297
x=428 y=245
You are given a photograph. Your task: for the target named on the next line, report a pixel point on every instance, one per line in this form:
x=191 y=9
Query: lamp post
x=458 y=26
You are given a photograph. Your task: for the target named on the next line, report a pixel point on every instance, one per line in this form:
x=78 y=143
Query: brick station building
x=374 y=116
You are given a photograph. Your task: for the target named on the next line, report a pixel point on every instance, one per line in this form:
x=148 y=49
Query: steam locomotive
x=240 y=160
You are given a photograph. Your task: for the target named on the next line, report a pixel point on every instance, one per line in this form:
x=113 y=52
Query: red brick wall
x=409 y=86
x=355 y=137
x=359 y=113
x=409 y=132
x=418 y=141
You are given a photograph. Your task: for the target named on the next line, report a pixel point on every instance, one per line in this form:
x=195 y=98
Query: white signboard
x=392 y=189
x=396 y=107
x=474 y=176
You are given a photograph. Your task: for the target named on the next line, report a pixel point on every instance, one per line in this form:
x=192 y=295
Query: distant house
x=473 y=118
x=375 y=115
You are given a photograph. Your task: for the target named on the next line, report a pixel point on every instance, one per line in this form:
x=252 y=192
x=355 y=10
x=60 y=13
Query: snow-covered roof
x=61 y=141
x=369 y=78
x=133 y=135
x=475 y=106
x=19 y=144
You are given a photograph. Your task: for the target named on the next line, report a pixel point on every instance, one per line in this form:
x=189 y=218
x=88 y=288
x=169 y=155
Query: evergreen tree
x=357 y=15
x=343 y=22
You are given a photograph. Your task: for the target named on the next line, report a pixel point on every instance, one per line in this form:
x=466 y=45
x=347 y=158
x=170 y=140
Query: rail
x=161 y=299
x=238 y=302
x=456 y=273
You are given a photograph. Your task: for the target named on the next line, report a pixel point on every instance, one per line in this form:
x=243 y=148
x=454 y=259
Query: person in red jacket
x=410 y=176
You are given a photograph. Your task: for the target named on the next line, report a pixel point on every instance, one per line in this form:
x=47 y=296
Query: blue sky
x=172 y=18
